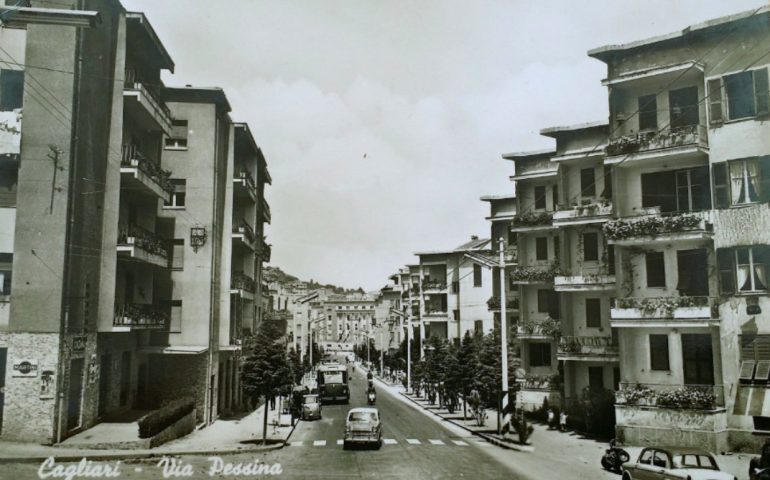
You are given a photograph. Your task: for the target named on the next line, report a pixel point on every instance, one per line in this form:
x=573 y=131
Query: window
x=646 y=457
x=548 y=302
x=746 y=92
x=595 y=378
x=178 y=197
x=11 y=89
x=607 y=193
x=648 y=112
x=593 y=313
x=176 y=316
x=591 y=247
x=456 y=286
x=659 y=352
x=611 y=259
x=476 y=275
x=587 y=182
x=683 y=107
x=540 y=197
x=478 y=326
x=656 y=269
x=177 y=256
x=512 y=238
x=539 y=354
x=749 y=181
x=178 y=138
x=554 y=196
x=751 y=268
x=456 y=315
x=6 y=270
x=677 y=191
x=541 y=248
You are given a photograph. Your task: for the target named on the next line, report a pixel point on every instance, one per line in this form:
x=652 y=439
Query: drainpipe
x=215 y=234
x=74 y=143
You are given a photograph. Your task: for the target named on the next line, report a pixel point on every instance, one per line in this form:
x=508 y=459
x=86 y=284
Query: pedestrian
x=563 y=421
x=551 y=418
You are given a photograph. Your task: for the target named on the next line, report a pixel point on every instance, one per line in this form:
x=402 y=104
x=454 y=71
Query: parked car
x=665 y=463
x=311 y=407
x=363 y=426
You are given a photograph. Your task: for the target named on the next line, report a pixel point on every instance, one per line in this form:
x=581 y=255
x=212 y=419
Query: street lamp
x=503 y=336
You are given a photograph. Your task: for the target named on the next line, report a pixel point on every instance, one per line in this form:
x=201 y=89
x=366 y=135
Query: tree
x=467 y=359
x=297 y=369
x=266 y=370
x=489 y=372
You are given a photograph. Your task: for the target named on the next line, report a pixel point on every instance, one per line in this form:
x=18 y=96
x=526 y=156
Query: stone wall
x=176 y=376
x=742 y=226
x=663 y=426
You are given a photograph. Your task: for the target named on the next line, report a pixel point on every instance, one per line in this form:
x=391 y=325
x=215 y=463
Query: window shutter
x=764 y=176
x=716 y=115
x=726 y=265
x=721 y=187
x=761 y=91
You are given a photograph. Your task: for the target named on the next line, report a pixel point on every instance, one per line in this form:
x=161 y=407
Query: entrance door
x=141 y=387
x=75 y=393
x=104 y=382
x=125 y=377
x=698 y=359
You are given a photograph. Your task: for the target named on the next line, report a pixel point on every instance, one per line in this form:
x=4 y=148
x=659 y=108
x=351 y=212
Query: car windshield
x=332 y=377
x=311 y=398
x=695 y=460
x=362 y=417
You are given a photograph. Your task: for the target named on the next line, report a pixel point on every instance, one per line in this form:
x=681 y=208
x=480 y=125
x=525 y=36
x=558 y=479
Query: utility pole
x=503 y=340
x=409 y=353
x=382 y=359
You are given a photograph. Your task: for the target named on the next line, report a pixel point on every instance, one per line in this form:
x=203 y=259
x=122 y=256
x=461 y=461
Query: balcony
x=590 y=349
x=592 y=282
x=265 y=208
x=511 y=304
x=138 y=316
x=10 y=132
x=244 y=185
x=138 y=243
x=671 y=396
x=144 y=176
x=664 y=311
x=532 y=275
x=532 y=221
x=143 y=103
x=265 y=251
x=435 y=286
x=544 y=329
x=540 y=382
x=242 y=285
x=595 y=212
x=673 y=144
x=243 y=234
x=650 y=229
x=435 y=314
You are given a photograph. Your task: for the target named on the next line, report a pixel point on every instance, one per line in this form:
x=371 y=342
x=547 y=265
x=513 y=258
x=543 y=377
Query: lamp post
x=503 y=336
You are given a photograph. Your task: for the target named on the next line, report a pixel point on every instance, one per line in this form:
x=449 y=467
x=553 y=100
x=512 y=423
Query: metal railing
x=664 y=307
x=248 y=179
x=243 y=227
x=144 y=239
x=139 y=315
x=511 y=303
x=656 y=140
x=586 y=345
x=133 y=157
x=433 y=285
x=133 y=82
x=677 y=396
x=241 y=281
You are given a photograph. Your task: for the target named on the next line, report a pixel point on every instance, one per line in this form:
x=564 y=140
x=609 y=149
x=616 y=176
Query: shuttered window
x=648 y=112
x=744 y=94
x=721 y=187
x=716 y=115
x=177 y=258
x=11 y=89
x=755 y=347
x=659 y=352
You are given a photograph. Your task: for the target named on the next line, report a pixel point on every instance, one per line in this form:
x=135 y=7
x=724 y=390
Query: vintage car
x=311 y=407
x=674 y=463
x=363 y=426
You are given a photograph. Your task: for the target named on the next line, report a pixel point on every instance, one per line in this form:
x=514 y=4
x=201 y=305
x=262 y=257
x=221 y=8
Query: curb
x=485 y=436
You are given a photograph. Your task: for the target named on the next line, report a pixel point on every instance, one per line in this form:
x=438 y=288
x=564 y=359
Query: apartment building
x=122 y=294
x=388 y=318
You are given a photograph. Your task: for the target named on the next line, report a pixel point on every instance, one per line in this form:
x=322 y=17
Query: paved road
x=416 y=447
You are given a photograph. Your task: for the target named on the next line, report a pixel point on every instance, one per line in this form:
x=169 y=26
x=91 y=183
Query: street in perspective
x=503 y=239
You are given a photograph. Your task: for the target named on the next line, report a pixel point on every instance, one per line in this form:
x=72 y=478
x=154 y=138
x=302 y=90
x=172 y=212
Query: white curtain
x=760 y=277
x=753 y=167
x=736 y=175
x=744 y=282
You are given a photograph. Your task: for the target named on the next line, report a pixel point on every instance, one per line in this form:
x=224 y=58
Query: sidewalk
x=563 y=454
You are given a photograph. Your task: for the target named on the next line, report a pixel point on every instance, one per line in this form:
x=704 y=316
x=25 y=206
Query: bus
x=333 y=383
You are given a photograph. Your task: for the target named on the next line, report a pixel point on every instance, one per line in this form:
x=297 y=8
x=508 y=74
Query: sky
x=383 y=122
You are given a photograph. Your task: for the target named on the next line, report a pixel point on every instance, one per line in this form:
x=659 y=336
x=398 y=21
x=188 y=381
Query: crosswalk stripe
x=436 y=442
x=483 y=444
x=390 y=441
x=340 y=442
x=460 y=442
x=319 y=443
x=296 y=444
x=412 y=441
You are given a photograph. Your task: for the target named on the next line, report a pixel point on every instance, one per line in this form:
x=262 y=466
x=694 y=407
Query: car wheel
x=627 y=476
x=345 y=446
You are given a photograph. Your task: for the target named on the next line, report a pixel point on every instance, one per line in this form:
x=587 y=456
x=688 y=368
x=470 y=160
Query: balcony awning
x=752 y=401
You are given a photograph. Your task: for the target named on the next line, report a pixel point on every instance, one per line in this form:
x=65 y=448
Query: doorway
x=141 y=387
x=698 y=359
x=104 y=382
x=75 y=393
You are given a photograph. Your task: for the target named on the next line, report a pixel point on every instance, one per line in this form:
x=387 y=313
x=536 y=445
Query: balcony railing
x=144 y=239
x=682 y=307
x=248 y=180
x=133 y=158
x=565 y=213
x=133 y=82
x=433 y=312
x=532 y=219
x=244 y=228
x=535 y=274
x=666 y=138
x=586 y=281
x=510 y=303
x=540 y=382
x=572 y=345
x=684 y=397
x=655 y=225
x=137 y=315
x=241 y=281
x=547 y=327
x=433 y=285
